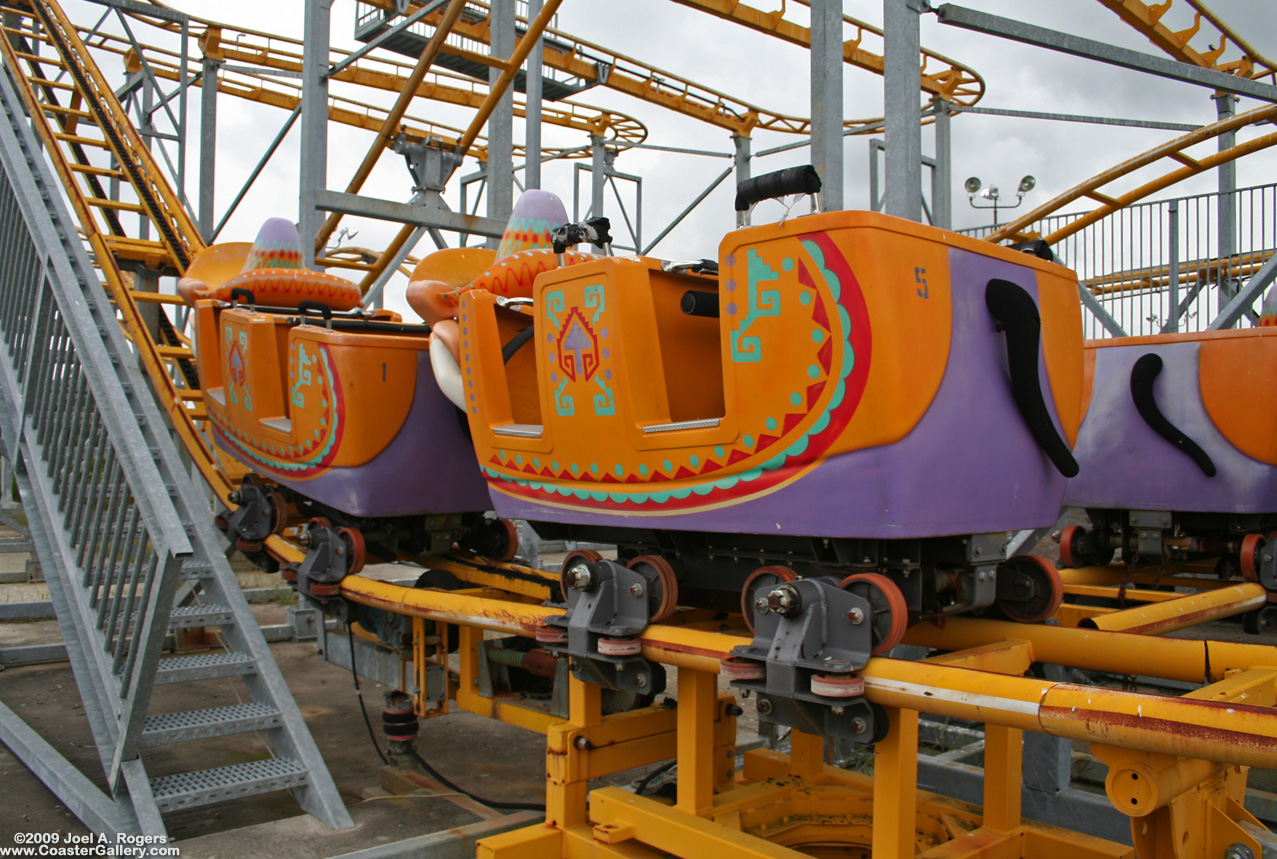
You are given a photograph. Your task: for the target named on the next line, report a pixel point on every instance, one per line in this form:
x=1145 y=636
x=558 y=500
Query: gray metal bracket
x=606 y=602
x=804 y=629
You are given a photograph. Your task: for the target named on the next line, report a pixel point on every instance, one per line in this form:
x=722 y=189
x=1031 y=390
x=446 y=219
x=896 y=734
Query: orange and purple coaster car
x=342 y=410
x=852 y=383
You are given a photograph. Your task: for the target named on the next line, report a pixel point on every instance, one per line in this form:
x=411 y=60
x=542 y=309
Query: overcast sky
x=774 y=75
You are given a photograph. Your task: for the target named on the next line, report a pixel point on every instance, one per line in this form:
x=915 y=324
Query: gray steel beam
x=942 y=175
x=146 y=10
x=1226 y=202
x=1097 y=310
x=901 y=72
x=82 y=797
x=742 y=156
x=598 y=175
x=1072 y=117
x=1172 y=287
x=208 y=147
x=314 y=143
x=501 y=123
x=1066 y=43
x=1245 y=297
x=826 y=99
x=532 y=112
x=405 y=213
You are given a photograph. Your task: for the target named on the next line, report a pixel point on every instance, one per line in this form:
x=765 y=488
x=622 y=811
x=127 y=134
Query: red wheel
x=761 y=576
x=320 y=522
x=279 y=512
x=890 y=611
x=1068 y=543
x=221 y=523
x=248 y=547
x=1252 y=547
x=662 y=592
x=1048 y=590
x=580 y=556
x=355 y=550
x=499 y=541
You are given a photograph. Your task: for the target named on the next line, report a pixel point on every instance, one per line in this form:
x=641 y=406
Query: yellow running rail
x=1147 y=17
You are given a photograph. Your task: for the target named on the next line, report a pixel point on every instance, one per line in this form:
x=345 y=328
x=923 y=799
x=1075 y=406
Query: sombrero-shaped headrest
x=274 y=273
x=535 y=215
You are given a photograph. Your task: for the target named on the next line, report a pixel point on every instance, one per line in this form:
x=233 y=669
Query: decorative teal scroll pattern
x=604 y=403
x=303 y=376
x=762 y=302
x=594 y=298
x=554 y=305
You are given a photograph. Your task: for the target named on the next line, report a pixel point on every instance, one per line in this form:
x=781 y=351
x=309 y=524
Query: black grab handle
x=791 y=180
x=241 y=292
x=1017 y=313
x=307 y=306
x=1143 y=375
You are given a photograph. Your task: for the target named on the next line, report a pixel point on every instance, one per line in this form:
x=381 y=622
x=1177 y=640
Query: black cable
x=514 y=806
x=647 y=779
x=350 y=634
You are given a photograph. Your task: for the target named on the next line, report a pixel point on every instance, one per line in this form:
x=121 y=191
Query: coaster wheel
x=890 y=611
x=320 y=522
x=356 y=551
x=1069 y=555
x=662 y=591
x=1048 y=590
x=761 y=576
x=498 y=540
x=572 y=560
x=248 y=547
x=278 y=511
x=1251 y=556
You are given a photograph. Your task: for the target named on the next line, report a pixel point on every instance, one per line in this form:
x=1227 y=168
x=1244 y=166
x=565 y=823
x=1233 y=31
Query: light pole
x=973 y=187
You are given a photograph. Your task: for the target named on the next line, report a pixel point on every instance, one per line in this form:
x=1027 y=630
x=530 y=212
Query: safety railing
x=1168 y=265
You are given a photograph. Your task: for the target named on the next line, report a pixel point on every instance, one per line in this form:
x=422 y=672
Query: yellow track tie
x=83 y=141
x=46 y=82
x=47 y=59
x=190 y=395
x=157 y=298
x=98 y=171
x=174 y=352
x=66 y=111
x=118 y=205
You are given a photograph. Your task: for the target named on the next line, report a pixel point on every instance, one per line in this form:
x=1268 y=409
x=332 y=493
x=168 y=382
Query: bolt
x=733 y=710
x=859 y=725
x=636 y=590
x=235 y=497
x=304 y=538
x=856 y=616
x=764 y=706
x=579 y=578
x=1239 y=851
x=640 y=680
x=583 y=743
x=760 y=604
x=339 y=551
x=784 y=601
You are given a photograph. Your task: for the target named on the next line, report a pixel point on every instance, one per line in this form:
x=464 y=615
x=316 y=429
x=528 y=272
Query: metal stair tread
x=169 y=728
x=202 y=666
x=189 y=789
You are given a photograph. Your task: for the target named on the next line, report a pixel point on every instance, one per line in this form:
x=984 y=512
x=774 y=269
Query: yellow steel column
x=697 y=700
x=895 y=787
x=806 y=754
x=567 y=782
x=1003 y=774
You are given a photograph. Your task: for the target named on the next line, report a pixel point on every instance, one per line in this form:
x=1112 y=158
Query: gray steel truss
x=120 y=530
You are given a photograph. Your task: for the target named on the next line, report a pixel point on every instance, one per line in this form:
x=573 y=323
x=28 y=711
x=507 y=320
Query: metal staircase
x=121 y=532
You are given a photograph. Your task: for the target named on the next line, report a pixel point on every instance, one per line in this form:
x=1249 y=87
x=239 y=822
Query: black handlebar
x=307 y=306
x=241 y=292
x=791 y=180
x=596 y=231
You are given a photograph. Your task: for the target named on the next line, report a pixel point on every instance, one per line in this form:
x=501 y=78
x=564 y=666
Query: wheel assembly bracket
x=326 y=562
x=255 y=515
x=810 y=637
x=607 y=609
